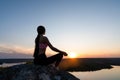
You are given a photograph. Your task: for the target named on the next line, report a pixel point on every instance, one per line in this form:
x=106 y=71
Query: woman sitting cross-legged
x=41 y=43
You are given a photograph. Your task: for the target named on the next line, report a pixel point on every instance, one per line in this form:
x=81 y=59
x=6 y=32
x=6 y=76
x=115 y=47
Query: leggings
x=43 y=60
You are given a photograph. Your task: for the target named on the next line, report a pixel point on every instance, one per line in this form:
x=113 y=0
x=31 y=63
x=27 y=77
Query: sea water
x=104 y=74
x=11 y=64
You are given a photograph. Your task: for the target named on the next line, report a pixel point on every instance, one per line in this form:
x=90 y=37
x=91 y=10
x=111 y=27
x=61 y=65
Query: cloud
x=14 y=55
x=8 y=51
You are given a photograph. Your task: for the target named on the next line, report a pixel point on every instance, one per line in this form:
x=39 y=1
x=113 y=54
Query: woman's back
x=42 y=44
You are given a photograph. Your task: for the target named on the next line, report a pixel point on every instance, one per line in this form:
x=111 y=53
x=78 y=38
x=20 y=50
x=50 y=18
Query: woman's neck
x=40 y=34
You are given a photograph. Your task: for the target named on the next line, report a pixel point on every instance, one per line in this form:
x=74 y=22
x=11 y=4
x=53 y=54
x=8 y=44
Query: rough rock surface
x=33 y=72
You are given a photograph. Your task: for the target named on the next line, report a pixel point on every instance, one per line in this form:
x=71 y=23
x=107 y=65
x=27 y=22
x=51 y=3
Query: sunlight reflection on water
x=11 y=64
x=104 y=74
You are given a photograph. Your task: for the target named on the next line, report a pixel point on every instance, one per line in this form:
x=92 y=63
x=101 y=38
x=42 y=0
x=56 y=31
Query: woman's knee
x=60 y=54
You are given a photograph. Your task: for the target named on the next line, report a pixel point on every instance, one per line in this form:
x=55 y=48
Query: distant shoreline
x=89 y=64
x=77 y=64
x=15 y=60
x=12 y=60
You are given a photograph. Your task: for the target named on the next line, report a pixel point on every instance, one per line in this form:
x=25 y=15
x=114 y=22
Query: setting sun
x=72 y=55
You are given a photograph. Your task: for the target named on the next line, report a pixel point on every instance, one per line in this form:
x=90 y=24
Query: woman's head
x=41 y=30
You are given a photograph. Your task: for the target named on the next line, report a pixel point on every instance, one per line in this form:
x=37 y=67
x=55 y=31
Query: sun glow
x=72 y=55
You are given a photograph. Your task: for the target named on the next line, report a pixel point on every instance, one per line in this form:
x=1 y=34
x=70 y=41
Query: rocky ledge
x=33 y=72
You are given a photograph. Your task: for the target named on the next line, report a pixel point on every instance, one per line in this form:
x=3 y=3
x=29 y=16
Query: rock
x=34 y=72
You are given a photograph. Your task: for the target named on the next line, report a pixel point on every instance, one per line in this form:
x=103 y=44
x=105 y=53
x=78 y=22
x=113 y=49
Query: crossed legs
x=43 y=60
x=55 y=58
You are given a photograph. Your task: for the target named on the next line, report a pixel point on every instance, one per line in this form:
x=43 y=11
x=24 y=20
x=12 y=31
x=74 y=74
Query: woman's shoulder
x=44 y=38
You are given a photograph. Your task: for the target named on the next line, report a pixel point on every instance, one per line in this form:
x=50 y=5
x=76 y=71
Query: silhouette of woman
x=41 y=42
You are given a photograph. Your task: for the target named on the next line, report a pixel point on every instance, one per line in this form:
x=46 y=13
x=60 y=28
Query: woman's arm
x=53 y=48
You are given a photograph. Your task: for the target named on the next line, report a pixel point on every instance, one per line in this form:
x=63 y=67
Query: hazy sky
x=90 y=28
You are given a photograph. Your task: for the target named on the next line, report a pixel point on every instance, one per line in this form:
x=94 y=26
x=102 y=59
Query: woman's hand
x=64 y=53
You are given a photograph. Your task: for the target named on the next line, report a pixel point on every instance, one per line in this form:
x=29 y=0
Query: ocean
x=104 y=74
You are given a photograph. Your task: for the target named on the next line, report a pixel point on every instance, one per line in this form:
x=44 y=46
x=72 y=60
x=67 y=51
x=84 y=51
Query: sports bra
x=42 y=45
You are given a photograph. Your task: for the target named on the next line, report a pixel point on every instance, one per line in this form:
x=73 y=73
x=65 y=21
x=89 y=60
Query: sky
x=88 y=28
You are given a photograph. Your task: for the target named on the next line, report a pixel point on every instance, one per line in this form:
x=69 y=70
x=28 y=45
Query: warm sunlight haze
x=72 y=55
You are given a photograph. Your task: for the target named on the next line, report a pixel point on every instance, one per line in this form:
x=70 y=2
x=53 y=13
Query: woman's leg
x=40 y=60
x=56 y=58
